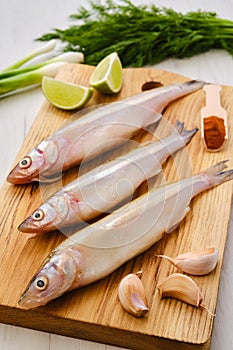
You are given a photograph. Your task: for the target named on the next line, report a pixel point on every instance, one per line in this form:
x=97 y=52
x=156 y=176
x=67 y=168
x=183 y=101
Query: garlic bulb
x=132 y=295
x=195 y=263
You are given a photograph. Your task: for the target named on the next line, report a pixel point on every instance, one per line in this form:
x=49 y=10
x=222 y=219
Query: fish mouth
x=17 y=179
x=27 y=304
x=23 y=302
x=16 y=176
x=28 y=226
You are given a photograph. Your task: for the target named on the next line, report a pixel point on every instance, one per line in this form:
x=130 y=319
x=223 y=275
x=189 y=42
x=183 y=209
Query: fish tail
x=186 y=135
x=217 y=175
x=194 y=84
x=189 y=87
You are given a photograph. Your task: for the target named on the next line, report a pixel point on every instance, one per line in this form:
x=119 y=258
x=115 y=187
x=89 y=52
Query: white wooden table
x=21 y=22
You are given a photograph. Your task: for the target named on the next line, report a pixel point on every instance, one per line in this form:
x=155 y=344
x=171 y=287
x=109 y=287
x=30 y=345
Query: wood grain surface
x=94 y=312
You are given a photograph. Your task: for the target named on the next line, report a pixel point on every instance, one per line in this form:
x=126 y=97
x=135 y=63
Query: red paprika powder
x=214 y=132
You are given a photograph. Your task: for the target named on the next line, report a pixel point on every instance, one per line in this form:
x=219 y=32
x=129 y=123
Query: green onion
x=30 y=78
x=71 y=57
x=46 y=48
x=13 y=78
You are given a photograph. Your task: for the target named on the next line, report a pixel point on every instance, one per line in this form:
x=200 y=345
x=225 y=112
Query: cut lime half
x=65 y=95
x=108 y=75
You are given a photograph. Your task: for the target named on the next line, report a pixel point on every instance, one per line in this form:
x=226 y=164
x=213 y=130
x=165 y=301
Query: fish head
x=34 y=163
x=48 y=217
x=53 y=279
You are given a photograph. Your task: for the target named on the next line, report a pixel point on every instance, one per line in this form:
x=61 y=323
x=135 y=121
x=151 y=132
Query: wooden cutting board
x=94 y=312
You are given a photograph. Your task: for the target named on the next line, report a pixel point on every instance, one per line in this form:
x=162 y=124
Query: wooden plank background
x=94 y=312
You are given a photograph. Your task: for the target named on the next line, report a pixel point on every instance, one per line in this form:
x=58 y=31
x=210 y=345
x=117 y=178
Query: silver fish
x=106 y=186
x=96 y=132
x=99 y=249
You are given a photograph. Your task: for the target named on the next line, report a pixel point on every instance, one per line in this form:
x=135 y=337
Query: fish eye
x=41 y=283
x=25 y=162
x=38 y=215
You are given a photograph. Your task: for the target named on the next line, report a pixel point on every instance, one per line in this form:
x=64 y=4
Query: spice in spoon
x=214 y=132
x=214 y=119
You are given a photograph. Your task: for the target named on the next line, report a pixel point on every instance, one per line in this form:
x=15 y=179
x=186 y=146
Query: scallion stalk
x=29 y=78
x=69 y=57
x=44 y=49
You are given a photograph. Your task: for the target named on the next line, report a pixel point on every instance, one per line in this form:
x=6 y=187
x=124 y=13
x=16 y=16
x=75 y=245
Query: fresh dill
x=142 y=35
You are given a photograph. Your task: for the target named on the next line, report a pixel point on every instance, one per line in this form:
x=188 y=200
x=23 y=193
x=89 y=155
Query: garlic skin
x=197 y=263
x=181 y=287
x=131 y=294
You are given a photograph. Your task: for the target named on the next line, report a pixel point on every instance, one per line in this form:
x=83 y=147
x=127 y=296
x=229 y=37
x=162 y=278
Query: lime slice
x=65 y=95
x=107 y=76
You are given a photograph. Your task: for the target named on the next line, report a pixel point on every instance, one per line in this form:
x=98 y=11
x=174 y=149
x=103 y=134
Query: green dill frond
x=142 y=35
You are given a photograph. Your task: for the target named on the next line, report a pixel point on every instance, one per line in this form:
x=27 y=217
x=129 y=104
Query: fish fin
x=186 y=135
x=173 y=226
x=178 y=130
x=217 y=175
x=178 y=127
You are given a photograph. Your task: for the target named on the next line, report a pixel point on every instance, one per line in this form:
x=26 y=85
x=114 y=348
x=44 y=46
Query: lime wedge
x=65 y=95
x=107 y=76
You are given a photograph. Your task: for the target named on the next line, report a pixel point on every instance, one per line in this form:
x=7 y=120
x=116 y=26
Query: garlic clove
x=131 y=294
x=181 y=287
x=195 y=263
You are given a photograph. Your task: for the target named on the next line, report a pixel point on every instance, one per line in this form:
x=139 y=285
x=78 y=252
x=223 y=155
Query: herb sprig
x=142 y=35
